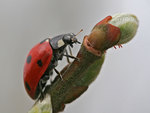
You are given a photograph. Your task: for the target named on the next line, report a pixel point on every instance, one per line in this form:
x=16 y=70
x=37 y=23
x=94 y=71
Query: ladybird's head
x=70 y=39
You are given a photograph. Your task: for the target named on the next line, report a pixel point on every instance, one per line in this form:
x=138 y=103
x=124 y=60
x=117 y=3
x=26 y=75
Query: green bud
x=128 y=24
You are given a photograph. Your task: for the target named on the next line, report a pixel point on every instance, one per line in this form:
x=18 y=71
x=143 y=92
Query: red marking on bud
x=90 y=47
x=105 y=20
x=113 y=33
x=115 y=47
x=103 y=36
x=120 y=46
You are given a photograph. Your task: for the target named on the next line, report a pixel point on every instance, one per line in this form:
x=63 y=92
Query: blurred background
x=123 y=85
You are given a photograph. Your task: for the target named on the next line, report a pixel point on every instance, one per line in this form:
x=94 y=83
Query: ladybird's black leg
x=58 y=73
x=50 y=75
x=72 y=57
x=42 y=83
x=51 y=80
x=44 y=79
x=41 y=90
x=70 y=50
x=67 y=57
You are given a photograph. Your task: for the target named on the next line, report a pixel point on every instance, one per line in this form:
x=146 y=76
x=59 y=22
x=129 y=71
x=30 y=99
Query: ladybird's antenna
x=79 y=32
x=76 y=35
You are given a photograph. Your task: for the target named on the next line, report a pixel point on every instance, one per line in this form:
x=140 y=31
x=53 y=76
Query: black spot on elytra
x=39 y=62
x=29 y=59
x=27 y=86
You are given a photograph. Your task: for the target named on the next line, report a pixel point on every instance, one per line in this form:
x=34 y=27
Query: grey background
x=124 y=82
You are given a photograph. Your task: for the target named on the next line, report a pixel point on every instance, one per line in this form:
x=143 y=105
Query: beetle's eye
x=74 y=40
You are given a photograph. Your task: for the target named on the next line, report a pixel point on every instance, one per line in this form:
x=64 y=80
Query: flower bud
x=103 y=36
x=128 y=25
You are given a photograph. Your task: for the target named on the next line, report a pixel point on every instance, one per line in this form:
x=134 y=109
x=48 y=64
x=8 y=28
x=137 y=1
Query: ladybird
x=42 y=60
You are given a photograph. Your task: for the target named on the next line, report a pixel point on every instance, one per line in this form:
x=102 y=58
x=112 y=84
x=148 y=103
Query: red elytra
x=37 y=62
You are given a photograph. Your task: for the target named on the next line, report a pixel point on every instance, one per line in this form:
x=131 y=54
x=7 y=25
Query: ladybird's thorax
x=61 y=41
x=57 y=42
